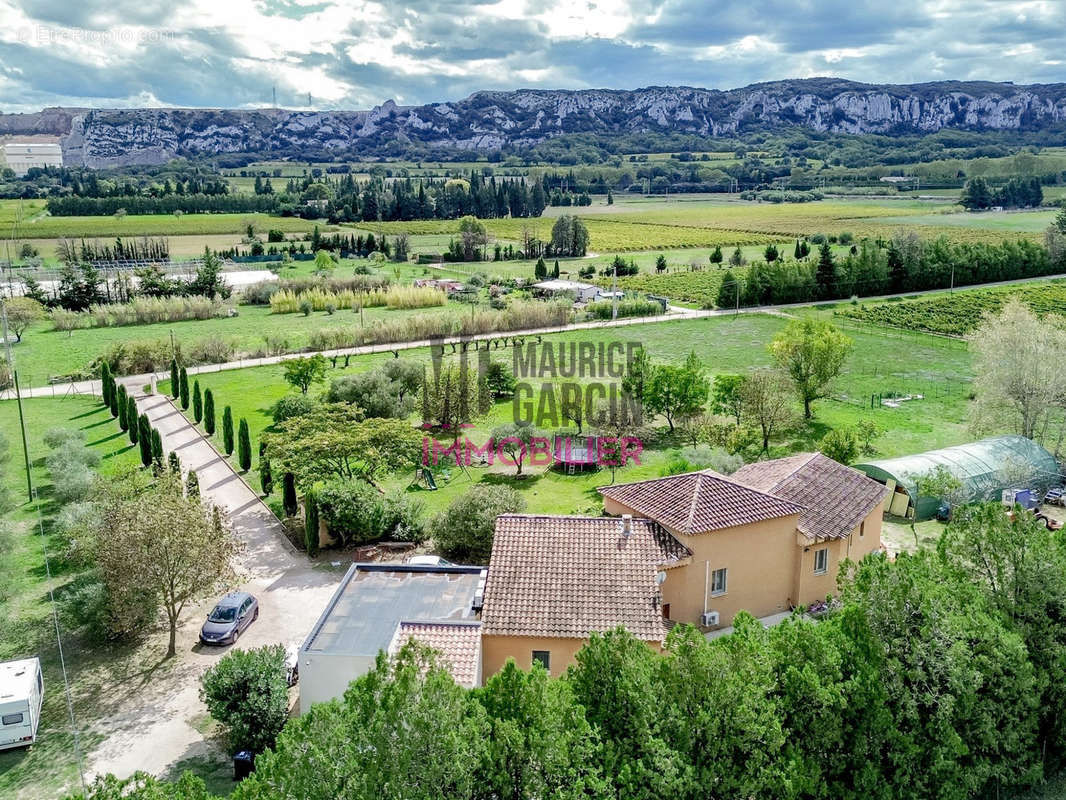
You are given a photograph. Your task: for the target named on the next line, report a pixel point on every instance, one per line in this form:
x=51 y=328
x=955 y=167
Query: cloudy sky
x=356 y=54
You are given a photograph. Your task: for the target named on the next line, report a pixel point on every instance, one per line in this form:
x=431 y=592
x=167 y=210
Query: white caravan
x=21 y=693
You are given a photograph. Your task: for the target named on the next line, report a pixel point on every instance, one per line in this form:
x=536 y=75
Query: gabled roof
x=699 y=502
x=459 y=645
x=835 y=498
x=563 y=576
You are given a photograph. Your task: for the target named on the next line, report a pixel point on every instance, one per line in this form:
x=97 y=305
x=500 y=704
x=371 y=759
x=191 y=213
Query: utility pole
x=18 y=398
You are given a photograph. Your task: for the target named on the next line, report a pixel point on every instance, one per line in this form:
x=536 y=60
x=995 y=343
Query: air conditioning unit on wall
x=709 y=619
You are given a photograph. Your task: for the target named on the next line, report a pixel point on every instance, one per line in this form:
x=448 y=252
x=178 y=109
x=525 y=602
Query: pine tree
x=244 y=446
x=555 y=269
x=157 y=451
x=716 y=254
x=174 y=463
x=209 y=412
x=183 y=379
x=105 y=383
x=540 y=271
x=144 y=440
x=122 y=404
x=826 y=274
x=112 y=398
x=175 y=379
x=227 y=430
x=197 y=403
x=131 y=419
x=288 y=494
x=798 y=252
x=192 y=484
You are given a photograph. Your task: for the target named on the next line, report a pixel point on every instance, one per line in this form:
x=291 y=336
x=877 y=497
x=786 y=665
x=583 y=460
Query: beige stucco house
x=695 y=548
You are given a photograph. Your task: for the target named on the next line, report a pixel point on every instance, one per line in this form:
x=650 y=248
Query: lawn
x=97 y=673
x=882 y=362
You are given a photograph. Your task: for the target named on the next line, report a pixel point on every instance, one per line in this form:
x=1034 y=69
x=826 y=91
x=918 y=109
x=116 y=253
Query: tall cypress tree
x=157 y=451
x=266 y=478
x=174 y=463
x=197 y=403
x=826 y=274
x=183 y=379
x=105 y=383
x=175 y=378
x=131 y=419
x=192 y=484
x=209 y=412
x=122 y=404
x=311 y=523
x=288 y=494
x=144 y=440
x=112 y=398
x=244 y=446
x=227 y=430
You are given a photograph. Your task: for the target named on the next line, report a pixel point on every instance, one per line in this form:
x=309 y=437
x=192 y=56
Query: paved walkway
x=158 y=724
x=676 y=313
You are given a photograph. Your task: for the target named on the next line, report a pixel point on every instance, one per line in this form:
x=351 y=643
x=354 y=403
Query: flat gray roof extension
x=372 y=599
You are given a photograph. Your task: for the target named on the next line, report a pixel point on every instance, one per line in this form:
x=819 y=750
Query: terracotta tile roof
x=836 y=498
x=699 y=502
x=569 y=576
x=459 y=645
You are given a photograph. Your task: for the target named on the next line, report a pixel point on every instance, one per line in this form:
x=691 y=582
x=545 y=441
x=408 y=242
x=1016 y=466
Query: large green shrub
x=289 y=406
x=247 y=693
x=464 y=531
x=357 y=513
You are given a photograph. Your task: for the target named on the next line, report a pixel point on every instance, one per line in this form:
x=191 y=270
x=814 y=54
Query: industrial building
x=985 y=468
x=380 y=607
x=21 y=156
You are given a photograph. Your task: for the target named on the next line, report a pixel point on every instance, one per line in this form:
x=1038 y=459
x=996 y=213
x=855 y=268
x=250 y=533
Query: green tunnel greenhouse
x=985 y=468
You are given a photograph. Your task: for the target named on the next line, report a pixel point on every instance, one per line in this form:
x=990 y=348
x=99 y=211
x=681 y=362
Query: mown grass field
x=937 y=369
x=99 y=675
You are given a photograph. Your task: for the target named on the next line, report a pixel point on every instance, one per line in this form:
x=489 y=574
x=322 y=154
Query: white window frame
x=724 y=572
x=822 y=553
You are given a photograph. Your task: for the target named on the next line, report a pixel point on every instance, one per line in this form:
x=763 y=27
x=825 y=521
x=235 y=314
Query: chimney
x=627 y=524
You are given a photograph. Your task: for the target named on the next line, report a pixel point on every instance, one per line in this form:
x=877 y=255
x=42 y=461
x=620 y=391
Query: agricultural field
x=44 y=353
x=959 y=314
x=48 y=227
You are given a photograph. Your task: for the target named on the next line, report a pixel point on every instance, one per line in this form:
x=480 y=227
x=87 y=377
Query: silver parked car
x=230 y=617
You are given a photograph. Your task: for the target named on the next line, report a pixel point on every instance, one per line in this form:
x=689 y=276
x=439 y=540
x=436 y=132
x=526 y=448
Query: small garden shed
x=985 y=468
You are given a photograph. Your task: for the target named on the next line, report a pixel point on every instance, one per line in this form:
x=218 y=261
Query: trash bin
x=243 y=764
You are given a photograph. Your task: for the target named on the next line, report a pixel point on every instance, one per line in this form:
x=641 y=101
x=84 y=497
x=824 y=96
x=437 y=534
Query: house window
x=12 y=719
x=821 y=561
x=544 y=657
x=718 y=581
x=862 y=528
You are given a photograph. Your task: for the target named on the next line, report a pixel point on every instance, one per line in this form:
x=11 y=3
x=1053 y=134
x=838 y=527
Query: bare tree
x=767 y=396
x=1021 y=374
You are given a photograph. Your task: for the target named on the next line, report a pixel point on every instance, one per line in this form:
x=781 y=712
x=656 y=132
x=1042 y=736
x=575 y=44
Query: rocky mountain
x=492 y=120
